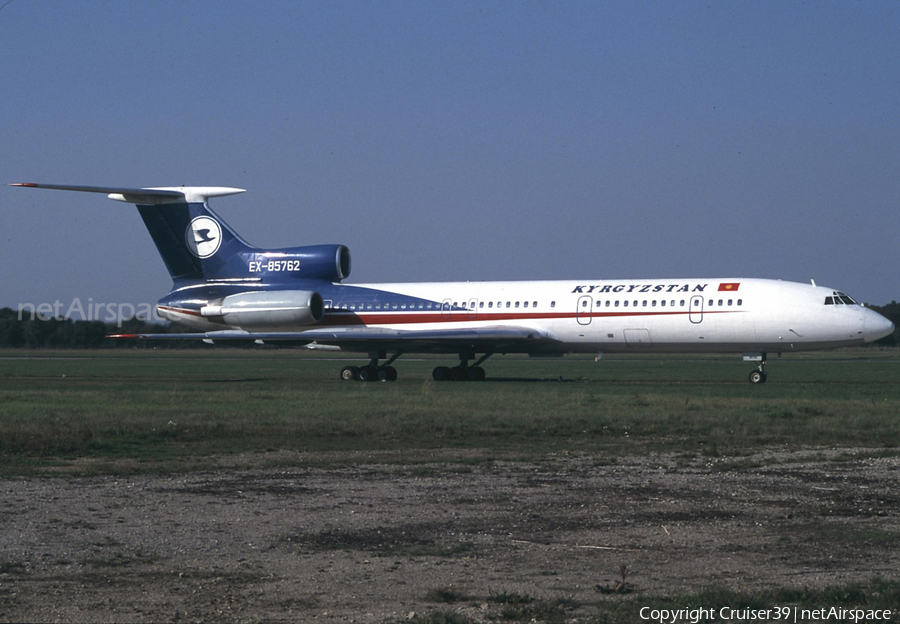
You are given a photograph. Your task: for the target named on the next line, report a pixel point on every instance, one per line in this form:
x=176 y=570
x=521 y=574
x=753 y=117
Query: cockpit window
x=839 y=298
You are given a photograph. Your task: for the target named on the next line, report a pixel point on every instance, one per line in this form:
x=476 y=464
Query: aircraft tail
x=194 y=242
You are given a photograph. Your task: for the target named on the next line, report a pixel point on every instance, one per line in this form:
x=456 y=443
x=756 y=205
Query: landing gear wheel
x=458 y=373
x=757 y=377
x=387 y=373
x=350 y=373
x=368 y=373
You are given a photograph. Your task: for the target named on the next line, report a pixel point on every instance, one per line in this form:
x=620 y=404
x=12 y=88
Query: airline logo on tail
x=203 y=237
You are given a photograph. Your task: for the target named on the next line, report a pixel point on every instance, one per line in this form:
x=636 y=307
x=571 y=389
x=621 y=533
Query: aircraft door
x=584 y=310
x=472 y=309
x=446 y=307
x=696 y=310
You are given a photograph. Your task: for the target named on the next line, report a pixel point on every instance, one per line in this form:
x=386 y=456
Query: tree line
x=62 y=333
x=33 y=332
x=891 y=311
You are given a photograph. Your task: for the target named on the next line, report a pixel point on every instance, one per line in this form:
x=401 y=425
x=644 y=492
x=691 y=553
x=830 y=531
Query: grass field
x=149 y=411
x=161 y=409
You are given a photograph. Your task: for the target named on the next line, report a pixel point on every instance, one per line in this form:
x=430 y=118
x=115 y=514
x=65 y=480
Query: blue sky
x=459 y=141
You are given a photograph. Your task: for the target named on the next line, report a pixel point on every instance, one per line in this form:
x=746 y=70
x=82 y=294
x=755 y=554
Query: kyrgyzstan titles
x=639 y=288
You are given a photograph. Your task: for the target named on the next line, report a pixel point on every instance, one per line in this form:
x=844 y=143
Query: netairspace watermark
x=117 y=313
x=774 y=614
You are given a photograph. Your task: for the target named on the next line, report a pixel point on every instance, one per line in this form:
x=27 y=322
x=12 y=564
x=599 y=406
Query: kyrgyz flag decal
x=729 y=286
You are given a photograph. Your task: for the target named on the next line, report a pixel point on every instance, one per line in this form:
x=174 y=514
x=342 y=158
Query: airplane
x=229 y=291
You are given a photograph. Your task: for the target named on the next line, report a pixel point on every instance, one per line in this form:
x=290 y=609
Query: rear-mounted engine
x=324 y=262
x=268 y=310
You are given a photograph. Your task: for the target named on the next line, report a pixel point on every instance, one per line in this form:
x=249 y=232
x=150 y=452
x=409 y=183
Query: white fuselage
x=669 y=315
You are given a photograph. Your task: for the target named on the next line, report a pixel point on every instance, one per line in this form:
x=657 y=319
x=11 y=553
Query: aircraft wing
x=495 y=339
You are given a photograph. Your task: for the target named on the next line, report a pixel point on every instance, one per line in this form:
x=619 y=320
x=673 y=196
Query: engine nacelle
x=330 y=262
x=268 y=310
x=324 y=262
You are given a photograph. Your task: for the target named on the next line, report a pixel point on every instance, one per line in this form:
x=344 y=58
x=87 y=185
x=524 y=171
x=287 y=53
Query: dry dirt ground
x=377 y=540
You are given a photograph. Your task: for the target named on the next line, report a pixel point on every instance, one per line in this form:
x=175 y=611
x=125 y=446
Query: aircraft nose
x=875 y=326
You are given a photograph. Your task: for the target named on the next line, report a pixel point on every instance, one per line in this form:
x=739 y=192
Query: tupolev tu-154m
x=229 y=291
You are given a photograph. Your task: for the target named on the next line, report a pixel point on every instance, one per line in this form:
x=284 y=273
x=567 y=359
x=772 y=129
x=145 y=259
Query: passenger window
x=534 y=304
x=682 y=303
x=617 y=303
x=552 y=304
x=635 y=303
x=740 y=301
x=584 y=304
x=481 y=304
x=517 y=304
x=662 y=303
x=654 y=303
x=525 y=305
x=490 y=304
x=729 y=302
x=625 y=303
x=645 y=303
x=720 y=302
x=607 y=303
x=507 y=304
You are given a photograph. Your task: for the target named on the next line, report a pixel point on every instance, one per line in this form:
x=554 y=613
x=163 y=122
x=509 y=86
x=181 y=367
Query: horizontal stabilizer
x=146 y=196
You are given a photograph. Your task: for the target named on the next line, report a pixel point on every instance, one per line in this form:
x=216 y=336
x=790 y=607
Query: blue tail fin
x=193 y=241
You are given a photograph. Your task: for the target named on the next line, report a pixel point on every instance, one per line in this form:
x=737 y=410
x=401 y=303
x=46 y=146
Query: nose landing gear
x=759 y=375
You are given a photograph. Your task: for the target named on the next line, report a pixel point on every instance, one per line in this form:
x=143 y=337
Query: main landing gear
x=759 y=375
x=373 y=371
x=462 y=371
